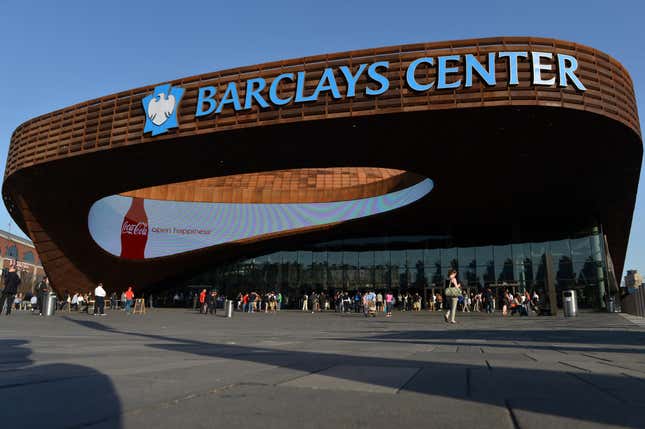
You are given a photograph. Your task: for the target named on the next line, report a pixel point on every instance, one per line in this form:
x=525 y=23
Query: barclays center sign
x=452 y=72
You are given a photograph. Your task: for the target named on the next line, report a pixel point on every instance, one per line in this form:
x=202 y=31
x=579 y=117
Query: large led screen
x=135 y=228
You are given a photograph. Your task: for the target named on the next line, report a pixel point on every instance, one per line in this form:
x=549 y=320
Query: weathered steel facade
x=509 y=162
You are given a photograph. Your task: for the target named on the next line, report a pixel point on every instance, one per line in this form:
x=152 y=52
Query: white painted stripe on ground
x=636 y=320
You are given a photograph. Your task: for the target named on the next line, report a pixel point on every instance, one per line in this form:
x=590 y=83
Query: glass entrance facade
x=412 y=263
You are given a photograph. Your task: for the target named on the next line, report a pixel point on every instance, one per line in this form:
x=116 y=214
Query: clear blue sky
x=58 y=53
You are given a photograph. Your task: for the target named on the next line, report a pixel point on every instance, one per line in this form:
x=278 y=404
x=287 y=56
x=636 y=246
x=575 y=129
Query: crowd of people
x=368 y=303
x=208 y=302
x=371 y=302
x=82 y=302
x=251 y=302
x=10 y=299
x=450 y=300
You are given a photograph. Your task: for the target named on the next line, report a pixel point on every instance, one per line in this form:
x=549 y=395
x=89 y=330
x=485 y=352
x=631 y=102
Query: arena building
x=514 y=159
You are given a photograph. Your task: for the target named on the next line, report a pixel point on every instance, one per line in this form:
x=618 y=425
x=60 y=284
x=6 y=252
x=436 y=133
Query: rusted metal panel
x=73 y=131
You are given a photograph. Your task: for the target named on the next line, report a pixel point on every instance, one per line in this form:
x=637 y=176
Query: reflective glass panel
x=449 y=258
x=580 y=248
x=466 y=257
x=486 y=273
x=414 y=257
x=432 y=257
x=398 y=258
x=560 y=248
x=381 y=258
x=484 y=255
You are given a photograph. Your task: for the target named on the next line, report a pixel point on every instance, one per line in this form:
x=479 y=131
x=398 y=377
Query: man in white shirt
x=99 y=293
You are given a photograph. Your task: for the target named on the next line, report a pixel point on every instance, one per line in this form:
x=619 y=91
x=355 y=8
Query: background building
x=633 y=279
x=23 y=251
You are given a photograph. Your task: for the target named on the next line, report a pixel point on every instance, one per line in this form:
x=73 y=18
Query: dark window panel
x=449 y=258
x=398 y=258
x=466 y=256
x=432 y=257
x=484 y=255
x=560 y=248
x=580 y=248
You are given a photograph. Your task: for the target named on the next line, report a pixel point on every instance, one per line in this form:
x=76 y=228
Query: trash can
x=611 y=305
x=569 y=303
x=49 y=304
x=228 y=308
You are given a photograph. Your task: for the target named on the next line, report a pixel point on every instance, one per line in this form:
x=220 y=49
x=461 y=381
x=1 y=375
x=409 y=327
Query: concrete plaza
x=173 y=368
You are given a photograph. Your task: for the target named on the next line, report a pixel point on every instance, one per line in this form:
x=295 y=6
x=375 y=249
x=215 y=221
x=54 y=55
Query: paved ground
x=173 y=368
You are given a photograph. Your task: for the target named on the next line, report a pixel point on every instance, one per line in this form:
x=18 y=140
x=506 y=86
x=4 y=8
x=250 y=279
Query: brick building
x=633 y=279
x=22 y=250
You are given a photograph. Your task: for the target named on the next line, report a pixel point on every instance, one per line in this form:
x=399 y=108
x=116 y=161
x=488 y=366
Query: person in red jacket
x=129 y=297
x=202 y=302
x=245 y=301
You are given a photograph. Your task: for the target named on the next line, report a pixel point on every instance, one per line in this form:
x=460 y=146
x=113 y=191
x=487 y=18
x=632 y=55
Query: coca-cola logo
x=139 y=228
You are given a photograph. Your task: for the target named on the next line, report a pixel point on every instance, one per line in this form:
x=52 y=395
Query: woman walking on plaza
x=389 y=302
x=305 y=300
x=453 y=292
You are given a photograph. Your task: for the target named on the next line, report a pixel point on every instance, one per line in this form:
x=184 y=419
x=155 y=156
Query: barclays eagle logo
x=161 y=109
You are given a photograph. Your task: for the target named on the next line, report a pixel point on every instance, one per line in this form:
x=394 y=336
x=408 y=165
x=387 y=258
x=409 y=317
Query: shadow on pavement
x=578 y=336
x=577 y=394
x=564 y=340
x=53 y=395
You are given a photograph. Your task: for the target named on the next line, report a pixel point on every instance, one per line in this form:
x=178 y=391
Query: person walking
x=305 y=300
x=212 y=303
x=129 y=297
x=203 y=303
x=379 y=302
x=11 y=282
x=467 y=302
x=488 y=300
x=99 y=305
x=245 y=302
x=41 y=290
x=113 y=304
x=252 y=300
x=313 y=300
x=453 y=292
x=389 y=302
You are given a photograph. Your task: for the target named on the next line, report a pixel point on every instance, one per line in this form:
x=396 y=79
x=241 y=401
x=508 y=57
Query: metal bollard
x=228 y=308
x=49 y=304
x=569 y=303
